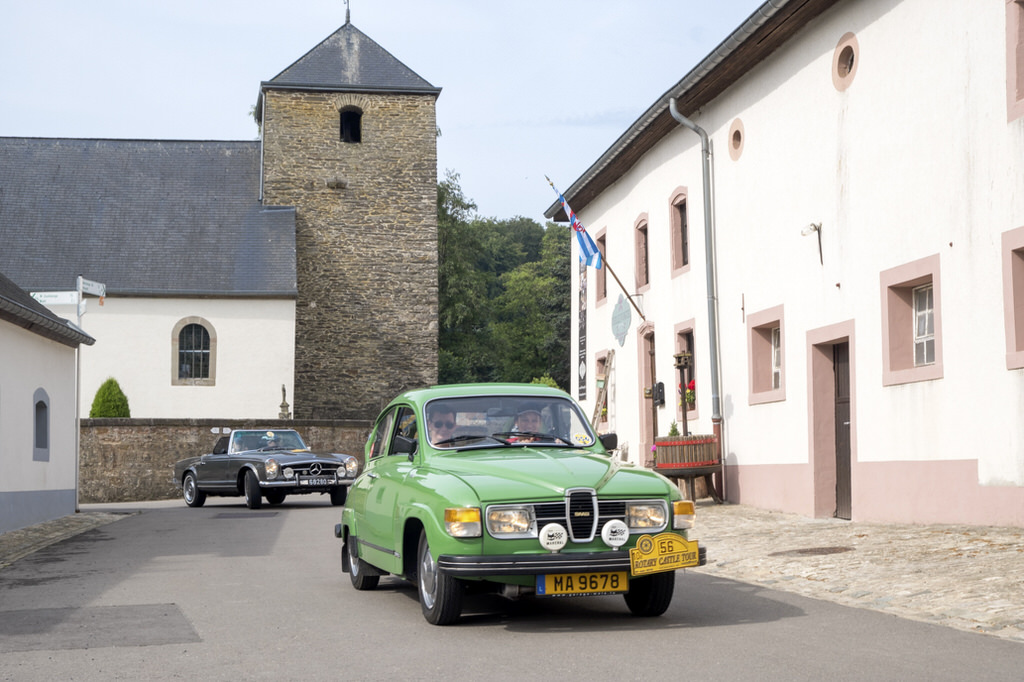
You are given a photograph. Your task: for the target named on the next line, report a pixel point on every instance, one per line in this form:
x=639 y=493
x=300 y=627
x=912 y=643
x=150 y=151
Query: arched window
x=194 y=351
x=41 y=426
x=351 y=125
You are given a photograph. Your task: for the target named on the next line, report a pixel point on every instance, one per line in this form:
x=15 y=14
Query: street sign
x=56 y=297
x=93 y=288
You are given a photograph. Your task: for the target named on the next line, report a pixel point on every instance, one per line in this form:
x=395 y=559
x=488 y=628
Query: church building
x=294 y=274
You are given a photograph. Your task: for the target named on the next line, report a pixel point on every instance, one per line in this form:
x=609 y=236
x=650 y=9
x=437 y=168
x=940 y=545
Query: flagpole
x=578 y=226
x=628 y=297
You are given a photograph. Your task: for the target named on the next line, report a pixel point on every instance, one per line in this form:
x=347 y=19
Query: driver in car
x=441 y=422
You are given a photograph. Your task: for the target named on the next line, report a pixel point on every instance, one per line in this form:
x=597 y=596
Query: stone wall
x=132 y=460
x=366 y=245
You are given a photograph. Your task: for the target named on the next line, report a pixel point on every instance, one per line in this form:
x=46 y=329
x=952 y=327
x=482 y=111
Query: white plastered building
x=880 y=376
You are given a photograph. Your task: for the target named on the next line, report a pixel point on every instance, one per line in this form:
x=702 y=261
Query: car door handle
x=372 y=475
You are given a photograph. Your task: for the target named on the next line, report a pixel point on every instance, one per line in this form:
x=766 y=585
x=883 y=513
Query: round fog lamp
x=289 y=473
x=615 y=533
x=553 y=537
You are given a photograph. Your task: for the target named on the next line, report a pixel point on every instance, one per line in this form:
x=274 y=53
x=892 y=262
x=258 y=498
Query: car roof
x=420 y=396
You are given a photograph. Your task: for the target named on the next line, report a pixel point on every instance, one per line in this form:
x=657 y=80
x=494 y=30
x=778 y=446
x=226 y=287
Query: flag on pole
x=589 y=252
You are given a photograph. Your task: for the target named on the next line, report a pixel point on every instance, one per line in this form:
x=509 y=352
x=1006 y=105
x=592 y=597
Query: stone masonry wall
x=132 y=460
x=366 y=245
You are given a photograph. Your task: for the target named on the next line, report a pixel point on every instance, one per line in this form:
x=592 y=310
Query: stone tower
x=349 y=140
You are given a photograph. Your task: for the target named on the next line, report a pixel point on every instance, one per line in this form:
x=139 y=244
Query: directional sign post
x=56 y=297
x=85 y=286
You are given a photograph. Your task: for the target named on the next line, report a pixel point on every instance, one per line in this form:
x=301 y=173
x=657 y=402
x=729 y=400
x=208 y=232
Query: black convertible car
x=262 y=463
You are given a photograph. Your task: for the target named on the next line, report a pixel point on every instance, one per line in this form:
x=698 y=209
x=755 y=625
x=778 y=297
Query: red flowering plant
x=691 y=392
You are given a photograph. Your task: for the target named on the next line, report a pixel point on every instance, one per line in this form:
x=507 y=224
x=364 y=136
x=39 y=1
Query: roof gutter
x=58 y=329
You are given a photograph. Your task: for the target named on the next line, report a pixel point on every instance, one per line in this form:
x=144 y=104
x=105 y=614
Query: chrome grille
x=307 y=469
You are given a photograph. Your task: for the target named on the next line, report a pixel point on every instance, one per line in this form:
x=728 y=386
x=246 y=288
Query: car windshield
x=484 y=421
x=242 y=441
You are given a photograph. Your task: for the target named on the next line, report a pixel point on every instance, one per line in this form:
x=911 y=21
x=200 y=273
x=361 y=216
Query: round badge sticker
x=582 y=439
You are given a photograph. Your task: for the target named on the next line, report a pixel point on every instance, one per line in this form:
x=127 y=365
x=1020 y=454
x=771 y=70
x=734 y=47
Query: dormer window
x=351 y=125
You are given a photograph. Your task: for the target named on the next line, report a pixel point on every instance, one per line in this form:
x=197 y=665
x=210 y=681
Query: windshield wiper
x=463 y=438
x=532 y=435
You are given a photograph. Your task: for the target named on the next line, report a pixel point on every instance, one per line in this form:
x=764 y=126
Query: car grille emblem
x=581 y=512
x=315 y=468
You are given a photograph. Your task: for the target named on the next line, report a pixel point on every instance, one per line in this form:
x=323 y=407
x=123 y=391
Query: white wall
x=33 y=491
x=255 y=355
x=914 y=159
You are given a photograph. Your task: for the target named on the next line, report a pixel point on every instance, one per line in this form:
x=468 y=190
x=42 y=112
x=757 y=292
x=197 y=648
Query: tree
x=110 y=401
x=503 y=294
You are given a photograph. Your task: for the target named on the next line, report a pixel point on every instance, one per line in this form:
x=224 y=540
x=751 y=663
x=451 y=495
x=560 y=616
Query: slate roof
x=18 y=308
x=349 y=61
x=146 y=218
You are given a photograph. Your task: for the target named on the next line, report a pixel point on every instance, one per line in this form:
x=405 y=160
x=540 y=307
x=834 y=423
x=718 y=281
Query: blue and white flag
x=589 y=252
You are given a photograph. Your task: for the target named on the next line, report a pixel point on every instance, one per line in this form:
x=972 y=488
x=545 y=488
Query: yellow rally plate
x=664 y=552
x=564 y=584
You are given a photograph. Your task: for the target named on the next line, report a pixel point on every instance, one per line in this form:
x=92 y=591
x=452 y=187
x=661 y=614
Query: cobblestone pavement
x=965 y=577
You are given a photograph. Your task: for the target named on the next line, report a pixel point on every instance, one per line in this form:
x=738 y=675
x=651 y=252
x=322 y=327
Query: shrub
x=545 y=380
x=110 y=401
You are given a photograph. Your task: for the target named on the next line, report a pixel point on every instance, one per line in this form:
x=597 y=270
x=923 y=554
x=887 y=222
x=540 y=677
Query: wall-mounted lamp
x=811 y=229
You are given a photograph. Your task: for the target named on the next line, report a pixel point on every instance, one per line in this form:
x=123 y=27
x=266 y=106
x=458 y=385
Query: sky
x=529 y=88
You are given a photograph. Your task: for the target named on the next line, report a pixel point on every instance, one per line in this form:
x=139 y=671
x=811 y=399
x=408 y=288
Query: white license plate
x=315 y=481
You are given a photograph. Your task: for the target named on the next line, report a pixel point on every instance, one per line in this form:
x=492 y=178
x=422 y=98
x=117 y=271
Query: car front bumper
x=299 y=488
x=535 y=564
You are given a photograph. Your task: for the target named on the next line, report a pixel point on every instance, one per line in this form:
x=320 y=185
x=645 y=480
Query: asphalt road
x=221 y=592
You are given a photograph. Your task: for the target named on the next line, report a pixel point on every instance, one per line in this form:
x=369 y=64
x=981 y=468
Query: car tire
x=338 y=496
x=194 y=497
x=440 y=593
x=358 y=570
x=252 y=490
x=276 y=496
x=651 y=595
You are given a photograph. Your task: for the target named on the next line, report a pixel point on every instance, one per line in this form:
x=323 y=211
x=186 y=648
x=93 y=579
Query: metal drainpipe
x=709 y=260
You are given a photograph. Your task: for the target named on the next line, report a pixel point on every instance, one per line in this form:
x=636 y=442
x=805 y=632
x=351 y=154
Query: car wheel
x=252 y=490
x=194 y=497
x=338 y=496
x=650 y=596
x=440 y=594
x=276 y=496
x=357 y=568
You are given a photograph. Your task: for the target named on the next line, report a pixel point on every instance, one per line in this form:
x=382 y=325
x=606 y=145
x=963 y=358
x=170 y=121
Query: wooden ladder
x=602 y=391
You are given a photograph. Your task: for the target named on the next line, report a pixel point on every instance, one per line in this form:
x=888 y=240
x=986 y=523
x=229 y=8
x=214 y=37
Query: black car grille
x=581 y=513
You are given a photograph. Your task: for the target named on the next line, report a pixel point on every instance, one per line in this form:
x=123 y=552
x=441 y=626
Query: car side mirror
x=403 y=445
x=610 y=441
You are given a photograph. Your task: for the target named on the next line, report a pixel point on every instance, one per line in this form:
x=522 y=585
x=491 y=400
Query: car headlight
x=352 y=467
x=645 y=515
x=684 y=515
x=289 y=473
x=272 y=469
x=462 y=522
x=511 y=522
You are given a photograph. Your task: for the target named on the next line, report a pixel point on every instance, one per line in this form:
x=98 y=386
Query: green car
x=505 y=487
